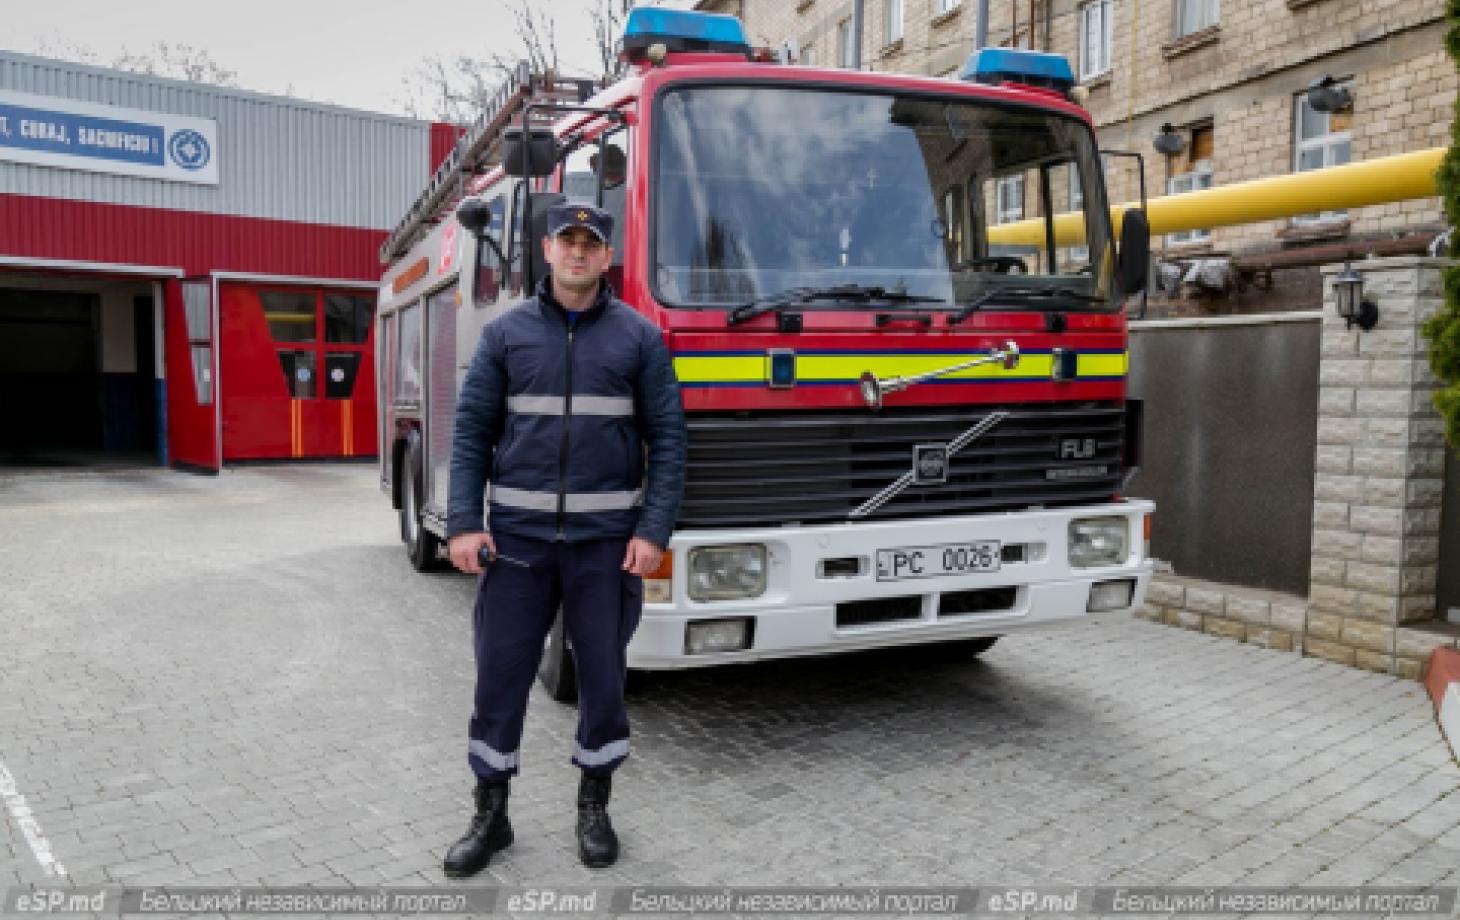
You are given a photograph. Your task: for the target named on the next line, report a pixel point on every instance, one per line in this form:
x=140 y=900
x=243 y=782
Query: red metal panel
x=443 y=138
x=256 y=411
x=261 y=419
x=190 y=431
x=83 y=231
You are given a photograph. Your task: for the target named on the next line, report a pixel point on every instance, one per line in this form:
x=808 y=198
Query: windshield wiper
x=1021 y=294
x=856 y=293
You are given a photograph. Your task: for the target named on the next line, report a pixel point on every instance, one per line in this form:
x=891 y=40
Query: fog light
x=1097 y=541
x=704 y=637
x=721 y=573
x=1111 y=595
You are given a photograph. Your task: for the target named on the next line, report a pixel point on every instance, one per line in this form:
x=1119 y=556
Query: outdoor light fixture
x=1326 y=96
x=1348 y=296
x=1170 y=141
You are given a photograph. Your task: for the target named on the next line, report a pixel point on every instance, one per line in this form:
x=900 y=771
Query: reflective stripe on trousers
x=493 y=758
x=614 y=750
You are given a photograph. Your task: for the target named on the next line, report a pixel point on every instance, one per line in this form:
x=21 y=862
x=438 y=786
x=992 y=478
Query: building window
x=1010 y=203
x=1194 y=15
x=844 y=43
x=892 y=21
x=1320 y=139
x=808 y=54
x=1195 y=166
x=198 y=311
x=1095 y=38
x=945 y=6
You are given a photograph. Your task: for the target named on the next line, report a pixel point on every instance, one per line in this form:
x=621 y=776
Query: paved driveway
x=238 y=679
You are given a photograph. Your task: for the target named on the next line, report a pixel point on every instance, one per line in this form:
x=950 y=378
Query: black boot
x=489 y=832
x=597 y=843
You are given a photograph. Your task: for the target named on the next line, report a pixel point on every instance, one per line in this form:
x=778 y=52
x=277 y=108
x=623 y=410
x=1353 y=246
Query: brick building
x=1231 y=83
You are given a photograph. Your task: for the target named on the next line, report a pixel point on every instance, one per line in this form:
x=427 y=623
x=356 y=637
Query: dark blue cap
x=595 y=220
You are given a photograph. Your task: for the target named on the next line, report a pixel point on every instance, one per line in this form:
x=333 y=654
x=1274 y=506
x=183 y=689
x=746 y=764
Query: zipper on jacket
x=563 y=444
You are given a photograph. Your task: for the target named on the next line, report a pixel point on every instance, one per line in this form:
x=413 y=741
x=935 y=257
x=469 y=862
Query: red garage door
x=297 y=372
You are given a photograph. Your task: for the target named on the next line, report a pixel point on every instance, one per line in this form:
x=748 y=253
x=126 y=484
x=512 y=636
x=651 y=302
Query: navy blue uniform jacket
x=557 y=416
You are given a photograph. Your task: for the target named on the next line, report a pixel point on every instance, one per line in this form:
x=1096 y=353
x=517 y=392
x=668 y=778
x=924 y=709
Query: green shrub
x=1443 y=329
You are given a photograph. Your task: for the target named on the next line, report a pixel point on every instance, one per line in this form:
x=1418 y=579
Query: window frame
x=1327 y=143
x=1201 y=171
x=940 y=7
x=1106 y=39
x=1002 y=216
x=844 y=43
x=1211 y=11
x=894 y=21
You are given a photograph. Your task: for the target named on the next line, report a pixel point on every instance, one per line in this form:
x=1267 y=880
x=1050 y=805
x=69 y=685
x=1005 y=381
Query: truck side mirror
x=534 y=155
x=475 y=215
x=1135 y=251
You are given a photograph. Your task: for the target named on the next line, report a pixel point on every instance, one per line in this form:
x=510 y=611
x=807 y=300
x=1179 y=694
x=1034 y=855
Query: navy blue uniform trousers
x=515 y=609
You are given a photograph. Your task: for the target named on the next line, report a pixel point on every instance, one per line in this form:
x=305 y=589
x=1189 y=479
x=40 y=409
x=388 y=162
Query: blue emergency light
x=1016 y=65
x=682 y=30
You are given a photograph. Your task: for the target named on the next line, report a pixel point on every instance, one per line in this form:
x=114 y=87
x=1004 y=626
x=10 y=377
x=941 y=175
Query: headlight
x=1098 y=541
x=721 y=573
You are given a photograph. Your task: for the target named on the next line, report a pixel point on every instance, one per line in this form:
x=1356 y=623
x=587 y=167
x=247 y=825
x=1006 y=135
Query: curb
x=1442 y=680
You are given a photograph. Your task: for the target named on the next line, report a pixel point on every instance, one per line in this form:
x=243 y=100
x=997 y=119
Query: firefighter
x=563 y=394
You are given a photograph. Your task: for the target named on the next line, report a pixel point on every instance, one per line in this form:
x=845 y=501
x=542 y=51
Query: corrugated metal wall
x=278 y=158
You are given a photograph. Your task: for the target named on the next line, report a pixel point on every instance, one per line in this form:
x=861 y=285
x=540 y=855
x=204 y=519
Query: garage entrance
x=78 y=372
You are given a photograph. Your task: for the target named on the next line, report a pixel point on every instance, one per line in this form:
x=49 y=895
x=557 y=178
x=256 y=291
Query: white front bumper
x=797 y=614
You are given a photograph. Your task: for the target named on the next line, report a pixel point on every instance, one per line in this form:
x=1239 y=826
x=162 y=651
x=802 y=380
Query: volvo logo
x=930 y=464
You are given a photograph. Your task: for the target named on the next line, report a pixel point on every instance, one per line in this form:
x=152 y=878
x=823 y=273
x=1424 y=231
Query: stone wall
x=1288 y=623
x=1378 y=488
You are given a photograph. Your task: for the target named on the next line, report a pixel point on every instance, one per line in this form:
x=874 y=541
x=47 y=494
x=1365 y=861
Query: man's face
x=577 y=257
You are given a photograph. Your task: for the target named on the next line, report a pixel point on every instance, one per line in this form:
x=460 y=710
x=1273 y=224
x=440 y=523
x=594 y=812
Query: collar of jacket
x=549 y=304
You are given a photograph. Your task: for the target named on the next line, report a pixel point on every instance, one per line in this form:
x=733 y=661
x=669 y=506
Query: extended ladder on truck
x=479 y=149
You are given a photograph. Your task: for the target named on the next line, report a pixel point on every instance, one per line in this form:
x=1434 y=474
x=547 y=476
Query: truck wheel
x=556 y=672
x=422 y=546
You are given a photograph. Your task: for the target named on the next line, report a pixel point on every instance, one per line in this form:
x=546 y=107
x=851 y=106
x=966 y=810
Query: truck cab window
x=491 y=272
x=597 y=172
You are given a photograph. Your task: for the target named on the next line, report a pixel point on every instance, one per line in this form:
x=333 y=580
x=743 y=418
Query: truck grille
x=818 y=466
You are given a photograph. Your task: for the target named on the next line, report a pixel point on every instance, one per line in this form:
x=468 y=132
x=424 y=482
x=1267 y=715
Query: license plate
x=933 y=561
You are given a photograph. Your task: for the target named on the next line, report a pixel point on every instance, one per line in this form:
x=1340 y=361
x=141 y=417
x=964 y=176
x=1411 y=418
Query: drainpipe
x=981 y=29
x=857 y=34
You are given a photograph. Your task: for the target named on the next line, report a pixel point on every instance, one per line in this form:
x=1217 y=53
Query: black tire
x=422 y=546
x=556 y=672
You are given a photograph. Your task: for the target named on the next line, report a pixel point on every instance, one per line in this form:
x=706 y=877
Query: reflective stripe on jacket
x=556 y=416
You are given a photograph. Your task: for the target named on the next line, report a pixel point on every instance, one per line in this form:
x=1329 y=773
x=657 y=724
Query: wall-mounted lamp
x=1169 y=141
x=1327 y=96
x=1348 y=296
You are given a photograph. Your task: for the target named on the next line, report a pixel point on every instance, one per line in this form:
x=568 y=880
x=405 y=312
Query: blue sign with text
x=96 y=137
x=81 y=135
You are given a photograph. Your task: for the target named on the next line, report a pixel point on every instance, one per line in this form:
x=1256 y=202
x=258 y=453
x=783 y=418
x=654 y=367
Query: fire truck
x=907 y=413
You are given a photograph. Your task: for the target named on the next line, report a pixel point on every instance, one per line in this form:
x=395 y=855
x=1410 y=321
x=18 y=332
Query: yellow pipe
x=1353 y=185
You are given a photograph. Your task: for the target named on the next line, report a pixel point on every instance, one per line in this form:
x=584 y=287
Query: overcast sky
x=356 y=54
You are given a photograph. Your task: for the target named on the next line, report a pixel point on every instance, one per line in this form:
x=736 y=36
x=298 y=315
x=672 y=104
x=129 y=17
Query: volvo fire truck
x=906 y=427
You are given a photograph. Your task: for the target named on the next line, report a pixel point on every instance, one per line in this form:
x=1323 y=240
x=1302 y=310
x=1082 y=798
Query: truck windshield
x=760 y=190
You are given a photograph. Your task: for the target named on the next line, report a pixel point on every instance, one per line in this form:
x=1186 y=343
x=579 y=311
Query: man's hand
x=642 y=558
x=464 y=547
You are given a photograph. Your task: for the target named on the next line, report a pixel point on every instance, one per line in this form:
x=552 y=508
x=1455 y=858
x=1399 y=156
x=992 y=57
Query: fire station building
x=187 y=272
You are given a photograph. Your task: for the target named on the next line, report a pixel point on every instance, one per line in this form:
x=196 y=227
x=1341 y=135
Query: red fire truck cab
x=907 y=425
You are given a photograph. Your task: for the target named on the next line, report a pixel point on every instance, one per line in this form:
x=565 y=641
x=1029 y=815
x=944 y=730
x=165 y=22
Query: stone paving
x=239 y=680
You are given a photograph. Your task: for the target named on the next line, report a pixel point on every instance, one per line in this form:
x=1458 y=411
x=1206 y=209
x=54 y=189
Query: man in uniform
x=564 y=392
